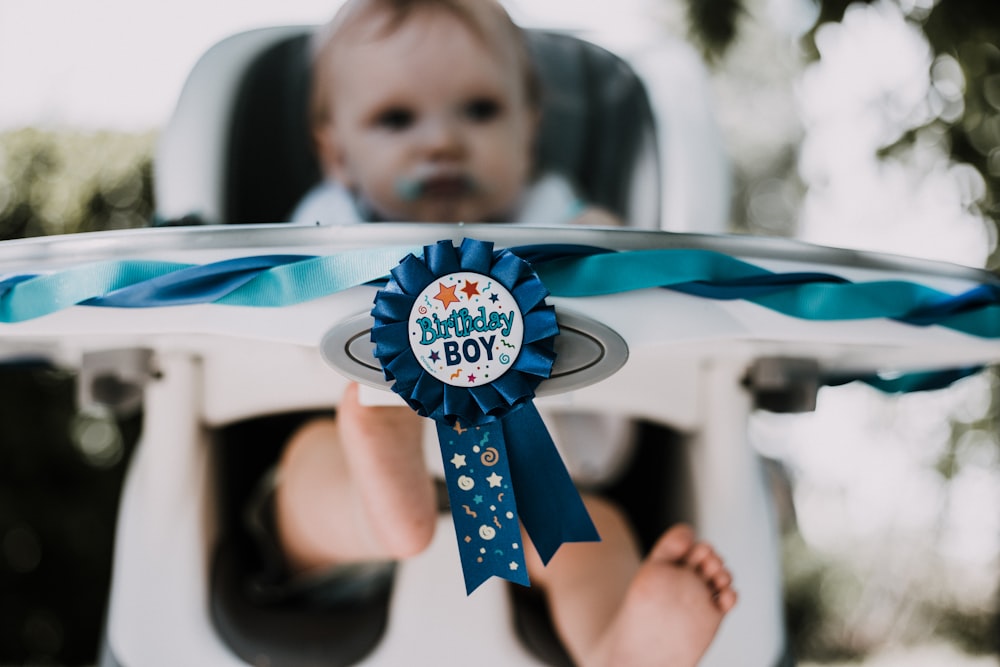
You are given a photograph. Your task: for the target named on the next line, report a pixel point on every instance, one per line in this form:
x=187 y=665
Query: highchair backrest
x=244 y=113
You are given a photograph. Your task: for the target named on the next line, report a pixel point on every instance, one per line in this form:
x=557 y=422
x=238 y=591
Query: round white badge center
x=465 y=329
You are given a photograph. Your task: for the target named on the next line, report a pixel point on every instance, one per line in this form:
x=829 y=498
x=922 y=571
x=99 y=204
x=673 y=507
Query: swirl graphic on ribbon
x=465 y=336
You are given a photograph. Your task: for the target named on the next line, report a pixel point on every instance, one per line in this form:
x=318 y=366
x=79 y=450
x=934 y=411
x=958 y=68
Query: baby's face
x=428 y=124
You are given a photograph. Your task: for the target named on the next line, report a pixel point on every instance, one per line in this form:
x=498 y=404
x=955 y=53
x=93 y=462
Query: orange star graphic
x=446 y=295
x=471 y=289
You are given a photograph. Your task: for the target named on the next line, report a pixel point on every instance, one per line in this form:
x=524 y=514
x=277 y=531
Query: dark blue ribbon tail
x=483 y=508
x=551 y=508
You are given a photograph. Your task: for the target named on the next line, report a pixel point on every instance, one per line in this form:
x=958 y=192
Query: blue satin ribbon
x=267 y=281
x=812 y=296
x=543 y=485
x=483 y=506
x=566 y=270
x=501 y=466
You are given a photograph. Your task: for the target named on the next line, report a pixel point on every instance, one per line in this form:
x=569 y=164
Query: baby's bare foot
x=382 y=446
x=673 y=607
x=354 y=488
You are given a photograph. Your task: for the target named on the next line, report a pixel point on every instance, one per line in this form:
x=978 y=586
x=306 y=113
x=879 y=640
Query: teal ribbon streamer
x=40 y=295
x=316 y=277
x=575 y=271
x=613 y=273
x=269 y=281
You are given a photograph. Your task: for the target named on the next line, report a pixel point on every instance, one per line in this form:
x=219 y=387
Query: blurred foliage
x=969 y=32
x=714 y=24
x=61 y=182
x=901 y=591
x=963 y=33
x=901 y=585
x=838 y=610
x=815 y=624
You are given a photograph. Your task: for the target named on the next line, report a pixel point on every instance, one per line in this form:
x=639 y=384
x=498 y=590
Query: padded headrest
x=595 y=118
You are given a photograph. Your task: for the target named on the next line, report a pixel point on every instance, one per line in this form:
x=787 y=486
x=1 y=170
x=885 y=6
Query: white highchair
x=685 y=369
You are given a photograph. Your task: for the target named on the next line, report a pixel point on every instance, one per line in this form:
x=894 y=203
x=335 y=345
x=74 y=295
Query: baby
x=425 y=111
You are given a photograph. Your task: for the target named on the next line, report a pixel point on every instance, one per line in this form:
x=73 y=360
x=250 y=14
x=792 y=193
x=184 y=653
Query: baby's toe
x=726 y=600
x=710 y=566
x=699 y=555
x=674 y=545
x=721 y=580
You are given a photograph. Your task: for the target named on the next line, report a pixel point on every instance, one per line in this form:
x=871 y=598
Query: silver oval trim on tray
x=586 y=352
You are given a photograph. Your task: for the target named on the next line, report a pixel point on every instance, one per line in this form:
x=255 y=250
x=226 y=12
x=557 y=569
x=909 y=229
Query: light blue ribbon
x=266 y=281
x=566 y=270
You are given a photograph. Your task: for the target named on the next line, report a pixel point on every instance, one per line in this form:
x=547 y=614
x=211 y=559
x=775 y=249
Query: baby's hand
x=354 y=488
x=377 y=425
x=382 y=447
x=597 y=217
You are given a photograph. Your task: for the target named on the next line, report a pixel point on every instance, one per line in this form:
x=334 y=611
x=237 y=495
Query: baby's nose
x=442 y=138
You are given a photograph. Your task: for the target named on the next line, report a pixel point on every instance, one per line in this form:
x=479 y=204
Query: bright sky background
x=121 y=63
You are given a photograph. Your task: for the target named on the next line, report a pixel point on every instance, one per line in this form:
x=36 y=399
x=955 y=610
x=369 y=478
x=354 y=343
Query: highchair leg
x=733 y=511
x=166 y=527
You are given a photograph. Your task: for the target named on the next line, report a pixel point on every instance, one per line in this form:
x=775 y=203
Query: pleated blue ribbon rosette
x=465 y=336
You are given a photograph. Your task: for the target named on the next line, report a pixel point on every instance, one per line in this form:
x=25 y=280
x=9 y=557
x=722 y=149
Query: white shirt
x=549 y=201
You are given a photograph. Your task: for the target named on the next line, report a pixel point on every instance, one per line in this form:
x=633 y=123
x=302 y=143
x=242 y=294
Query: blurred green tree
x=63 y=182
x=964 y=32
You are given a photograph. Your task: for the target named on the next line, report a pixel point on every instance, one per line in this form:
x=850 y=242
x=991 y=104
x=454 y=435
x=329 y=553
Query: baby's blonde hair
x=487 y=20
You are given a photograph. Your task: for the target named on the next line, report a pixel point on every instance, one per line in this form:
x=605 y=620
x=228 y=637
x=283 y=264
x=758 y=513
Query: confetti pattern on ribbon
x=478 y=478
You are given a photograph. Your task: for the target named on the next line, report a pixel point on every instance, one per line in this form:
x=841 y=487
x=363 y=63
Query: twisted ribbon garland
x=566 y=270
x=501 y=466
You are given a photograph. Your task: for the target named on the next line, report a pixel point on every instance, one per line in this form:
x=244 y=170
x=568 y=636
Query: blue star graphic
x=494 y=298
x=477 y=499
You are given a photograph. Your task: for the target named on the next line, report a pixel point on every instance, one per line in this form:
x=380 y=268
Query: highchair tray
x=617 y=335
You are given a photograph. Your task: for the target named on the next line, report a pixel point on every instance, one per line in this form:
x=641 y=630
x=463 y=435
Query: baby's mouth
x=445 y=187
x=442 y=186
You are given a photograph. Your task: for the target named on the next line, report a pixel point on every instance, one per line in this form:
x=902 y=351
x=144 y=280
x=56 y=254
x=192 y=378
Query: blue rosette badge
x=466 y=337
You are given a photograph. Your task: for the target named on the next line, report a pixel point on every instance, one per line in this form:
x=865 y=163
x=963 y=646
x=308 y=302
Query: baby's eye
x=395 y=119
x=482 y=109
